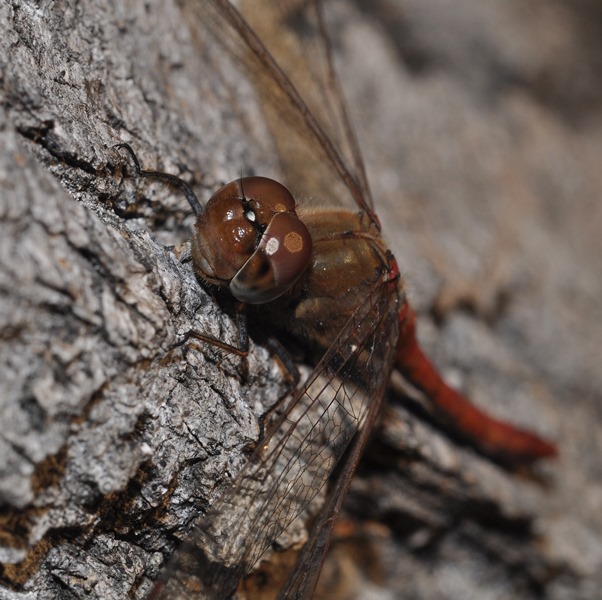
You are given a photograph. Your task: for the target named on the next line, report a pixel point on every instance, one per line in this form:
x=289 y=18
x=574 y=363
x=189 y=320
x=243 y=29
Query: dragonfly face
x=250 y=238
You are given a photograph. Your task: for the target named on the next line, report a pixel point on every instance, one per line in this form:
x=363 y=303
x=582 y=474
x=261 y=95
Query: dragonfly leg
x=163 y=177
x=494 y=437
x=286 y=360
x=243 y=335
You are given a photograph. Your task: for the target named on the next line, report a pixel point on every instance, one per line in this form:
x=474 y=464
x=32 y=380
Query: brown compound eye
x=250 y=238
x=281 y=257
x=266 y=197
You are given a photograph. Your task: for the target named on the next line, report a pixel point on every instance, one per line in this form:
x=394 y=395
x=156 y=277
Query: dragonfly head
x=250 y=238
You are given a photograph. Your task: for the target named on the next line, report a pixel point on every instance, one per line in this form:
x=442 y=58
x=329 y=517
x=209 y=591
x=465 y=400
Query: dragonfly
x=324 y=276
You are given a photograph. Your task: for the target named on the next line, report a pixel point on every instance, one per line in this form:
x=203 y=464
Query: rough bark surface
x=481 y=127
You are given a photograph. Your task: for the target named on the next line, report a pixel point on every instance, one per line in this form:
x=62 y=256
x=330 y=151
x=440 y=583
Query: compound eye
x=224 y=236
x=266 y=197
x=281 y=257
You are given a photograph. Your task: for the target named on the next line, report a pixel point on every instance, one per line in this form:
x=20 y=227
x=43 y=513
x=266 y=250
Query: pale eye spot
x=250 y=216
x=293 y=242
x=272 y=246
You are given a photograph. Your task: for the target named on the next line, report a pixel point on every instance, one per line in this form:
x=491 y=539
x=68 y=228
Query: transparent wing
x=296 y=458
x=299 y=91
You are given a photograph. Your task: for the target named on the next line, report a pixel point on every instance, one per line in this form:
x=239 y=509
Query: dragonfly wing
x=295 y=460
x=302 y=581
x=315 y=141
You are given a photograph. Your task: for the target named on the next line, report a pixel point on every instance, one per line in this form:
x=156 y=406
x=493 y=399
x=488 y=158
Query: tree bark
x=481 y=129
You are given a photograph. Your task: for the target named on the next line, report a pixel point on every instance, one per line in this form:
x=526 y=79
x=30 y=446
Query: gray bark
x=482 y=132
